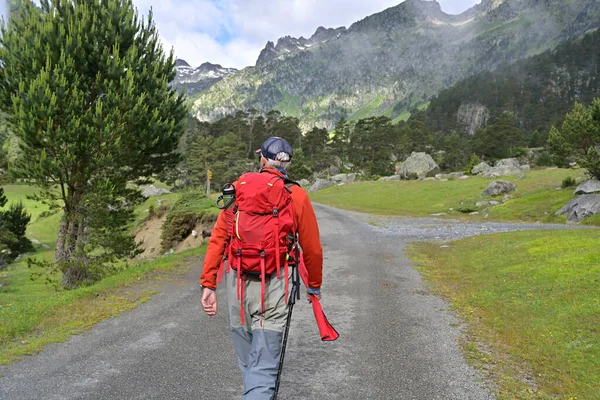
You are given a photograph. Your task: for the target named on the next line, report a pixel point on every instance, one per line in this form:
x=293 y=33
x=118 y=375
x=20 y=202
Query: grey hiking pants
x=258 y=341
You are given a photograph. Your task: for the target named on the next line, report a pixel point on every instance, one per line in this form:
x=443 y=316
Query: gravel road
x=397 y=340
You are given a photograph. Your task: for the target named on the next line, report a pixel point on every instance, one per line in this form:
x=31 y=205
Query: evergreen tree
x=85 y=85
x=578 y=138
x=13 y=225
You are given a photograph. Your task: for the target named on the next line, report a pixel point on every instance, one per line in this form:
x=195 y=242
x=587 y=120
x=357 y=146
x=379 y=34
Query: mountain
x=289 y=45
x=395 y=60
x=538 y=91
x=196 y=80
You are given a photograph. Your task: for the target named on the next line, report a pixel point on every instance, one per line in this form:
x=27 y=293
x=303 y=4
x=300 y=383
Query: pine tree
x=578 y=138
x=85 y=87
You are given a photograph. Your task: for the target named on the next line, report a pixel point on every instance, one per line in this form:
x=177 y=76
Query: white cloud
x=232 y=32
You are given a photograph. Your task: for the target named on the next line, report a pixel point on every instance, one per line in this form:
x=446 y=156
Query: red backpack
x=261 y=231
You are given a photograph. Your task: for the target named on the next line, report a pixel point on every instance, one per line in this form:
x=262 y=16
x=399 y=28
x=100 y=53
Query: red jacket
x=308 y=235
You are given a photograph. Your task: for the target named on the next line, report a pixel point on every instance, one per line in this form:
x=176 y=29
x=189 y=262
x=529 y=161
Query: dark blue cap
x=276 y=148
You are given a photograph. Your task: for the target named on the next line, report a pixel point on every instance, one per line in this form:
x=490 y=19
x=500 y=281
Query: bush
x=568 y=182
x=192 y=208
x=13 y=224
x=466 y=209
x=475 y=160
x=544 y=160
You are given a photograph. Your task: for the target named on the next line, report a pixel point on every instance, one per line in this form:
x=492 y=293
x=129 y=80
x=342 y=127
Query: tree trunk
x=59 y=252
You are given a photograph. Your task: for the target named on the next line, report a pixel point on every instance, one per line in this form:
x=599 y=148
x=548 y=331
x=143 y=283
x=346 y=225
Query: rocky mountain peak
x=196 y=80
x=288 y=44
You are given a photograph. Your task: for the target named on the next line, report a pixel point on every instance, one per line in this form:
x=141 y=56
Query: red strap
x=287 y=279
x=239 y=278
x=277 y=255
x=243 y=282
x=230 y=259
x=262 y=283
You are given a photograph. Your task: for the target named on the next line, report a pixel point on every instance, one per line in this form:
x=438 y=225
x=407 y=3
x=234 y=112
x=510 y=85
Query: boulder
x=320 y=184
x=502 y=170
x=304 y=183
x=587 y=187
x=452 y=175
x=418 y=166
x=152 y=191
x=498 y=187
x=508 y=162
x=334 y=170
x=581 y=207
x=389 y=178
x=347 y=178
x=480 y=168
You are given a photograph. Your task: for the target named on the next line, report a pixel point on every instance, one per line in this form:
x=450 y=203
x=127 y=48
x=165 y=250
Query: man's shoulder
x=298 y=193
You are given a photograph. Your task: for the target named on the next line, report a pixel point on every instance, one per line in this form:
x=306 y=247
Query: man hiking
x=259 y=233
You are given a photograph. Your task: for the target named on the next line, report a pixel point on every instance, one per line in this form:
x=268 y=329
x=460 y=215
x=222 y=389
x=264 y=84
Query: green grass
x=367 y=109
x=531 y=306
x=19 y=192
x=406 y=114
x=33 y=315
x=290 y=105
x=536 y=197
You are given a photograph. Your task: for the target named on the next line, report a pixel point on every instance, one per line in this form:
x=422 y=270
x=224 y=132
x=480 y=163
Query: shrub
x=568 y=182
x=475 y=160
x=192 y=208
x=13 y=224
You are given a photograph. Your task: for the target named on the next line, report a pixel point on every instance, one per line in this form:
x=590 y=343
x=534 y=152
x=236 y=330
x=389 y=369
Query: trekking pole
x=292 y=300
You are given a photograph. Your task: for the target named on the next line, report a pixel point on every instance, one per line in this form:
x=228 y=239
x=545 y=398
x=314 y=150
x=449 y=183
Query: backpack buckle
x=275 y=213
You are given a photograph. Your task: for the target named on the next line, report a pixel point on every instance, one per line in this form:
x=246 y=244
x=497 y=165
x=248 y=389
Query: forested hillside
x=538 y=91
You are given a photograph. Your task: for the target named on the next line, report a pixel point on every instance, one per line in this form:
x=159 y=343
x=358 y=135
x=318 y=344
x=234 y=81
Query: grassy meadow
x=530 y=302
x=537 y=197
x=33 y=313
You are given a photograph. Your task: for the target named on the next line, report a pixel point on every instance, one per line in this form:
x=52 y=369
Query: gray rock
x=480 y=168
x=334 y=170
x=502 y=170
x=498 y=187
x=304 y=183
x=525 y=167
x=452 y=175
x=418 y=166
x=508 y=162
x=151 y=191
x=495 y=203
x=431 y=178
x=482 y=203
x=348 y=178
x=474 y=213
x=462 y=178
x=389 y=178
x=320 y=184
x=587 y=187
x=581 y=207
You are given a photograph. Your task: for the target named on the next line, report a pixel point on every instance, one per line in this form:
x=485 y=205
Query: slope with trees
x=90 y=104
x=538 y=91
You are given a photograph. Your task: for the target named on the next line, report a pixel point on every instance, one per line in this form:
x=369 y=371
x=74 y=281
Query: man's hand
x=309 y=297
x=209 y=302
